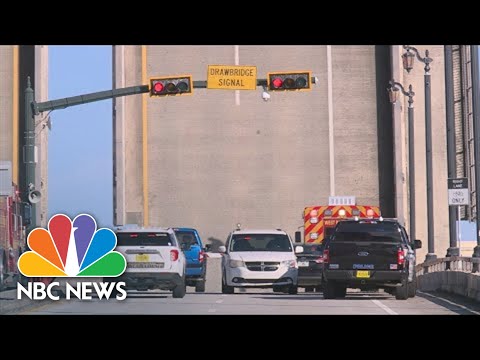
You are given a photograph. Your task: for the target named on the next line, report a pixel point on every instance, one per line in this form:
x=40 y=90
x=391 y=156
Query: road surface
x=259 y=302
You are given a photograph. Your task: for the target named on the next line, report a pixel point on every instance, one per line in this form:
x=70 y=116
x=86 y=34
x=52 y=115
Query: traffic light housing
x=288 y=81
x=171 y=85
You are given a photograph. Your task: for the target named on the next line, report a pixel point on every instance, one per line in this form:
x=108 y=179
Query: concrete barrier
x=457 y=282
x=213 y=283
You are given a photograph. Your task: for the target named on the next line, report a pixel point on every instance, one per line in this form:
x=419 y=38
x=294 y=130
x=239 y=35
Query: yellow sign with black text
x=232 y=77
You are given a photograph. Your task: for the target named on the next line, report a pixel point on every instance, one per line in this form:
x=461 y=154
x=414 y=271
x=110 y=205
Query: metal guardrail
x=453 y=263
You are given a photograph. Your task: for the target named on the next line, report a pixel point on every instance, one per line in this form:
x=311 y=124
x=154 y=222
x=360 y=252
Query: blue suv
x=191 y=244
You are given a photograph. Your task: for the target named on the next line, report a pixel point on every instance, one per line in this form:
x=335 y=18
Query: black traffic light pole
x=33 y=108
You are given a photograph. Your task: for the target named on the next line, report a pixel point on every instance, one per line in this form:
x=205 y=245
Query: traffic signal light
x=294 y=80
x=172 y=85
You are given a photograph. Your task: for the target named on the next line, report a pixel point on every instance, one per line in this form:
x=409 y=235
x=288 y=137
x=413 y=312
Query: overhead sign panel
x=232 y=77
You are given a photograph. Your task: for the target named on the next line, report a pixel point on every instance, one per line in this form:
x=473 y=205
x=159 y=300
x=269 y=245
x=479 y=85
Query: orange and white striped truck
x=319 y=221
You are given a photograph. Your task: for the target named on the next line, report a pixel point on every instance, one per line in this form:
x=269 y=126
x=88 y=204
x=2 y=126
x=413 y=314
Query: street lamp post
x=393 y=90
x=408 y=59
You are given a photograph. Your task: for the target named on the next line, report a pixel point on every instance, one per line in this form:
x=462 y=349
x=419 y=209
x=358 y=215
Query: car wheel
x=340 y=291
x=227 y=289
x=401 y=292
x=277 y=289
x=200 y=286
x=412 y=287
x=293 y=290
x=180 y=290
x=329 y=290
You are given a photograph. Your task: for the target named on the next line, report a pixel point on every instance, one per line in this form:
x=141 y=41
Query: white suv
x=259 y=259
x=154 y=259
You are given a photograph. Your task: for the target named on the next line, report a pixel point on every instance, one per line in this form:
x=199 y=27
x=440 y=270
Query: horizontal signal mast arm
x=87 y=98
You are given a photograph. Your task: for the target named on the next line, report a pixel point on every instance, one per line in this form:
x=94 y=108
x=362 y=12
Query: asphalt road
x=258 y=302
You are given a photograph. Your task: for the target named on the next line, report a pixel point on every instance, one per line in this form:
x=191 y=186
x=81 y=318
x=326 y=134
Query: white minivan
x=259 y=259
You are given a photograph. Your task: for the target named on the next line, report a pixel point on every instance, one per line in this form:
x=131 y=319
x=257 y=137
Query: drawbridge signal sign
x=232 y=77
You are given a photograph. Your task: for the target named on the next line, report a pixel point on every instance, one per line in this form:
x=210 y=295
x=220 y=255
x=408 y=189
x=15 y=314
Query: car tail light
x=319 y=260
x=173 y=255
x=326 y=256
x=400 y=257
x=201 y=256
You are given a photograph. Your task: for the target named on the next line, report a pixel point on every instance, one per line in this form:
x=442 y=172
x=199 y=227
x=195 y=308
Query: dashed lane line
x=384 y=307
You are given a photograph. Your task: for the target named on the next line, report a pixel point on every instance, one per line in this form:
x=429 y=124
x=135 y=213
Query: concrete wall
x=219 y=157
x=6 y=102
x=127 y=135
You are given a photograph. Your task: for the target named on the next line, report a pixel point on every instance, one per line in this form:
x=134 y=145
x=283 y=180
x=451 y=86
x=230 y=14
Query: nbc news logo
x=72 y=249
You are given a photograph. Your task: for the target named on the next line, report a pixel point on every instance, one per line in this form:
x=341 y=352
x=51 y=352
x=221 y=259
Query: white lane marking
x=237 y=62
x=450 y=302
x=212 y=310
x=219 y=301
x=384 y=307
x=224 y=295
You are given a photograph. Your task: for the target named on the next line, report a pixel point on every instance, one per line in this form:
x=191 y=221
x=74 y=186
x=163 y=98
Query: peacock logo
x=72 y=249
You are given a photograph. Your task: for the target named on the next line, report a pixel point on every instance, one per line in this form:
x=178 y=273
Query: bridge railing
x=453 y=263
x=456 y=274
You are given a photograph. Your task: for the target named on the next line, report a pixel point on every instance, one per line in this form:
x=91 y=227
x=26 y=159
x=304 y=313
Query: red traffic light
x=158 y=87
x=277 y=82
x=294 y=80
x=173 y=85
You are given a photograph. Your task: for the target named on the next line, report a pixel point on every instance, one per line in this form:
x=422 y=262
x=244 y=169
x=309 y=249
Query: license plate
x=303 y=263
x=363 y=274
x=142 y=257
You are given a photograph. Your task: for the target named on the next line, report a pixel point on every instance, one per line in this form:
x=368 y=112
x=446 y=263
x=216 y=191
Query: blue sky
x=80 y=142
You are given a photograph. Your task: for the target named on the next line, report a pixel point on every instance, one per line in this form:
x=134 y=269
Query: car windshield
x=144 y=239
x=368 y=231
x=260 y=242
x=186 y=238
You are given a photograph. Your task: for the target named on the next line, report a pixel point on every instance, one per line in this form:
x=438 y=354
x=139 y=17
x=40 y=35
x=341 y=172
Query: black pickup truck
x=369 y=254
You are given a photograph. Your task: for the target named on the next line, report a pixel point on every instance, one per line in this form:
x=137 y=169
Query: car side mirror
x=298 y=249
x=417 y=244
x=222 y=249
x=298 y=237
